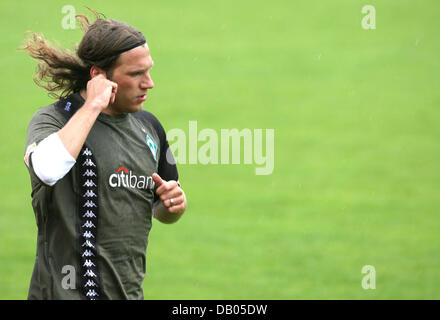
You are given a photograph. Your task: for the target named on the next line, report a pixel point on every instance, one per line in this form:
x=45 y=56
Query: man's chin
x=131 y=109
x=138 y=107
x=135 y=106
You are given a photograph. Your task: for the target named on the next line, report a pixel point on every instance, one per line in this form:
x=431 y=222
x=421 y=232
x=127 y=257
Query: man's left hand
x=171 y=195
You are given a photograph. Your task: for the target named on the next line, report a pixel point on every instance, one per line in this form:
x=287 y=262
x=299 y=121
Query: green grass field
x=356 y=179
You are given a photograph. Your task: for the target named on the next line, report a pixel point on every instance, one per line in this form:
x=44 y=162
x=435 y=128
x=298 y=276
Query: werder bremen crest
x=153 y=146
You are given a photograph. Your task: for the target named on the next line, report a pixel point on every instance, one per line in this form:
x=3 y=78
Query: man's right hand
x=101 y=92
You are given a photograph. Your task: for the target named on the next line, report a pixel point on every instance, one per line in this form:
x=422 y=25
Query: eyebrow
x=141 y=70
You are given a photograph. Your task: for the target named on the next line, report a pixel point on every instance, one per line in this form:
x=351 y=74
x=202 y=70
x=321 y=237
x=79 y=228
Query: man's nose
x=147 y=82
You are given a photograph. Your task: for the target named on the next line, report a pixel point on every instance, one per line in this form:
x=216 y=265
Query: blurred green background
x=355 y=114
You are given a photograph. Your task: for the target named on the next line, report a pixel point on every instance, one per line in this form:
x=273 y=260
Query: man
x=100 y=166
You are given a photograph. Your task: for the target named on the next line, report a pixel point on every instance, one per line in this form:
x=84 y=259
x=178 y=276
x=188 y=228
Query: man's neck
x=83 y=94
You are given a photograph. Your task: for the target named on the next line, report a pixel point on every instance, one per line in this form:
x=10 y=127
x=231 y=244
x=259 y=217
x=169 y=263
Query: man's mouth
x=142 y=97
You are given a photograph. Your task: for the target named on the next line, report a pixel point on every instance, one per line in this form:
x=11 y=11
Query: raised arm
x=55 y=155
x=100 y=92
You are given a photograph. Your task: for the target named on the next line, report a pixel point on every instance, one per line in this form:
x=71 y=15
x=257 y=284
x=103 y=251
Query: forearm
x=55 y=155
x=74 y=133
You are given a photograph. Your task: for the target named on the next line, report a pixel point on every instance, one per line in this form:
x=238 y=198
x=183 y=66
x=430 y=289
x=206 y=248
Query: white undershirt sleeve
x=50 y=160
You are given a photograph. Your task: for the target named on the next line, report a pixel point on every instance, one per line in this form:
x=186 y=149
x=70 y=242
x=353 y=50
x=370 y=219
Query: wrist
x=93 y=106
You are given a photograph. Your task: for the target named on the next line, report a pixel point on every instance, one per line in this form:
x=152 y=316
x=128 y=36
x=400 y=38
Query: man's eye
x=136 y=74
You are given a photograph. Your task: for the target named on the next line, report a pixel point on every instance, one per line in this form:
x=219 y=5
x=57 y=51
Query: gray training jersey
x=93 y=224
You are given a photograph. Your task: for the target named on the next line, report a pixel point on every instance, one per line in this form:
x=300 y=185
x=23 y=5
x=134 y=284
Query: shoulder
x=59 y=111
x=148 y=116
x=45 y=121
x=48 y=114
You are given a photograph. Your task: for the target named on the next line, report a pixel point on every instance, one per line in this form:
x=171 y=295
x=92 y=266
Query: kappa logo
x=89 y=214
x=89 y=224
x=88 y=163
x=88 y=235
x=89 y=183
x=89 y=204
x=90 y=273
x=90 y=283
x=91 y=293
x=89 y=194
x=153 y=146
x=88 y=244
x=127 y=179
x=88 y=253
x=88 y=264
x=89 y=173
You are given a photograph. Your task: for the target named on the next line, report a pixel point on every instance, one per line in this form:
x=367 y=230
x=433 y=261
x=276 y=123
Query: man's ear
x=95 y=70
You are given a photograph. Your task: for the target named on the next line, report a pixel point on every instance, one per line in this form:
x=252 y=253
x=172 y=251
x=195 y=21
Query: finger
x=157 y=179
x=114 y=89
x=176 y=208
x=173 y=193
x=176 y=200
x=112 y=97
x=114 y=86
x=166 y=186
